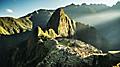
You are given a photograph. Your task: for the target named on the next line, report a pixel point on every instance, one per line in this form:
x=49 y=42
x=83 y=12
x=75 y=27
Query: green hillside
x=9 y=25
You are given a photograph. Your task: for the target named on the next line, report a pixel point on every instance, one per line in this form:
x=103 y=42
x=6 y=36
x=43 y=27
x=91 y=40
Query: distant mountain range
x=72 y=10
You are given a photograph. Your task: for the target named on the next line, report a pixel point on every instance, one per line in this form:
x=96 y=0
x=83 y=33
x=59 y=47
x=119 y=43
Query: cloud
x=9 y=10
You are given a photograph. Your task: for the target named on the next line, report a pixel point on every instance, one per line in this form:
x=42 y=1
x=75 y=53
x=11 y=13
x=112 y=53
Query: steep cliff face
x=61 y=23
x=9 y=25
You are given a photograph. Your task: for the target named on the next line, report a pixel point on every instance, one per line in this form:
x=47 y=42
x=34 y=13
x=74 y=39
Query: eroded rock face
x=61 y=23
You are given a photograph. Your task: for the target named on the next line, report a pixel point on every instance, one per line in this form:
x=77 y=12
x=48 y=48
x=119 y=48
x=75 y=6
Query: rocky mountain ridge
x=9 y=25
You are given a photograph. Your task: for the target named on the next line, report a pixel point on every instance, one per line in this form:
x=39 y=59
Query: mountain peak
x=61 y=23
x=118 y=3
x=60 y=11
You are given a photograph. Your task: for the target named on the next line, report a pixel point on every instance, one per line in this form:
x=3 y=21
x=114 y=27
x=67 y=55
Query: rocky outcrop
x=50 y=33
x=9 y=25
x=61 y=23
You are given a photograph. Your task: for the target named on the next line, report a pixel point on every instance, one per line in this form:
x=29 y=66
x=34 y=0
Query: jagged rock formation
x=47 y=34
x=9 y=25
x=61 y=23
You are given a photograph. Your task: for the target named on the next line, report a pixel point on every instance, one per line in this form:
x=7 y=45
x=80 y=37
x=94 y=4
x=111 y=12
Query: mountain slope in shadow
x=110 y=30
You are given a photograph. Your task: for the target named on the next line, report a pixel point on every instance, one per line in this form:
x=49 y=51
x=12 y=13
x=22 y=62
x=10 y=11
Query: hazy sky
x=17 y=8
